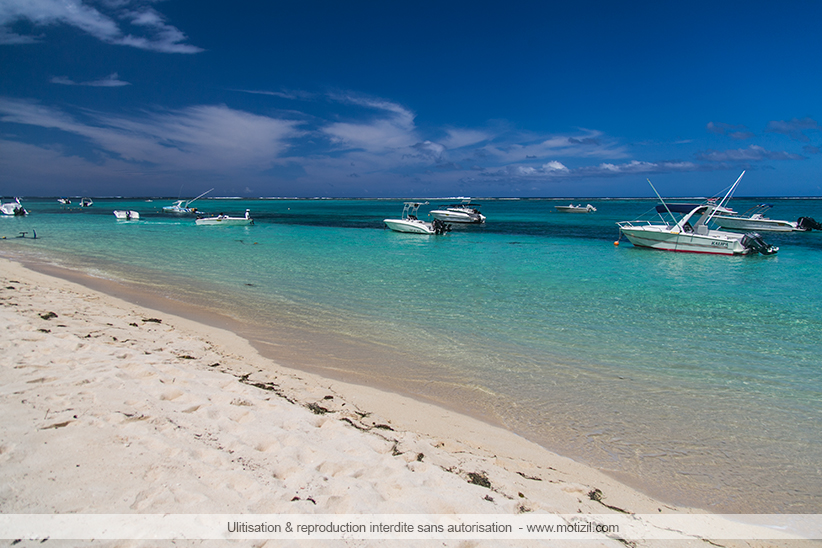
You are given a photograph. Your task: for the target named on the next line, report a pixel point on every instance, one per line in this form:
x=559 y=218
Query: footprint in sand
x=171 y=394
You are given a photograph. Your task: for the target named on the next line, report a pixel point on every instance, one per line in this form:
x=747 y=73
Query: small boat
x=571 y=208
x=409 y=222
x=86 y=202
x=225 y=220
x=64 y=201
x=14 y=208
x=754 y=219
x=129 y=215
x=690 y=231
x=183 y=207
x=464 y=212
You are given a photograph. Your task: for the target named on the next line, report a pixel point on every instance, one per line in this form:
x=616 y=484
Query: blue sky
x=409 y=99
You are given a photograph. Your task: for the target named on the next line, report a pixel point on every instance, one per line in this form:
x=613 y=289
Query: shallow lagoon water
x=696 y=378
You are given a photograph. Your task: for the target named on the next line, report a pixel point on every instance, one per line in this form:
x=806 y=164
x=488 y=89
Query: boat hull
x=224 y=222
x=409 y=226
x=575 y=209
x=759 y=225
x=666 y=240
x=13 y=212
x=130 y=215
x=457 y=217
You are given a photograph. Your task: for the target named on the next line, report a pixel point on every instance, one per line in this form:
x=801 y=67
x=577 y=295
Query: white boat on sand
x=225 y=220
x=14 y=208
x=183 y=207
x=129 y=215
x=755 y=219
x=685 y=228
x=571 y=208
x=409 y=222
x=464 y=212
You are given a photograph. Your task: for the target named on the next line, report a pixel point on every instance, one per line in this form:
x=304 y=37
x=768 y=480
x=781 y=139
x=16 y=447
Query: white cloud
x=290 y=94
x=434 y=151
x=458 y=138
x=112 y=80
x=554 y=166
x=196 y=138
x=752 y=153
x=556 y=170
x=402 y=115
x=76 y=13
x=376 y=136
x=636 y=167
x=519 y=147
x=390 y=129
x=10 y=38
x=794 y=128
x=737 y=132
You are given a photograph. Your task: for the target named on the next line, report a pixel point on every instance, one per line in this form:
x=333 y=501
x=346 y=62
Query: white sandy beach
x=109 y=407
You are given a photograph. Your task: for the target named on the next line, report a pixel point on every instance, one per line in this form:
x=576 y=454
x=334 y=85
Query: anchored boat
x=685 y=228
x=183 y=207
x=464 y=212
x=129 y=215
x=14 y=208
x=755 y=219
x=226 y=220
x=571 y=208
x=411 y=224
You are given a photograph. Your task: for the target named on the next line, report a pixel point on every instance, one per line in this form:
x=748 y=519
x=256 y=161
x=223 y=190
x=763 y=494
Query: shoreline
x=199 y=402
x=296 y=351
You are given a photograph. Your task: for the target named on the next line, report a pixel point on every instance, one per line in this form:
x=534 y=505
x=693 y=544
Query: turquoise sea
x=695 y=378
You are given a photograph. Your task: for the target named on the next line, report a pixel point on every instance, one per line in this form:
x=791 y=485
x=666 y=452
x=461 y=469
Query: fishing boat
x=14 y=208
x=688 y=230
x=126 y=215
x=571 y=208
x=409 y=222
x=225 y=220
x=755 y=219
x=183 y=207
x=464 y=212
x=86 y=202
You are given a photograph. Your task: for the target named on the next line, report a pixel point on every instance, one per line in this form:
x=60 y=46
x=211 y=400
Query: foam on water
x=695 y=377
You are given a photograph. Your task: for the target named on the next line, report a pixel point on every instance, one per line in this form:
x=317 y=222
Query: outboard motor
x=755 y=243
x=807 y=224
x=440 y=227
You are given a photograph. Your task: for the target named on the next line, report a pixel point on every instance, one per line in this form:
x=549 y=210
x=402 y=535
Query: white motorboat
x=179 y=208
x=225 y=220
x=64 y=201
x=571 y=208
x=183 y=207
x=688 y=231
x=86 y=202
x=755 y=219
x=411 y=224
x=464 y=212
x=14 y=208
x=129 y=215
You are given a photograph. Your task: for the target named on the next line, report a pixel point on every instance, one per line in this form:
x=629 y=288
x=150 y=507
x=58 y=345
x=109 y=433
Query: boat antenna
x=723 y=200
x=200 y=196
x=661 y=200
x=733 y=187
